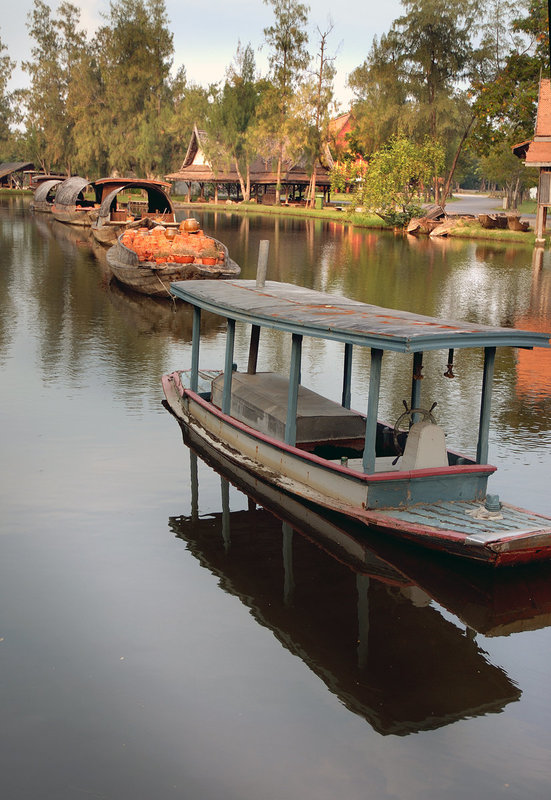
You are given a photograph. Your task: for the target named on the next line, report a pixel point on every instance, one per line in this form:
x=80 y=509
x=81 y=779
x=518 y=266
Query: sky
x=205 y=38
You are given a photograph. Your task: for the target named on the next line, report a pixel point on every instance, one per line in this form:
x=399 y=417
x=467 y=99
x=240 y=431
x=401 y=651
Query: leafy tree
x=318 y=95
x=410 y=84
x=501 y=167
x=287 y=39
x=380 y=107
x=6 y=69
x=134 y=53
x=395 y=178
x=505 y=92
x=58 y=45
x=231 y=117
x=190 y=104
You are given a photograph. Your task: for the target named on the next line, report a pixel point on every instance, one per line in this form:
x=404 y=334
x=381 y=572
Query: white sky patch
x=205 y=40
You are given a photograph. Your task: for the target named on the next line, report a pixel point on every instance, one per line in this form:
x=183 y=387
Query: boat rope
x=166 y=290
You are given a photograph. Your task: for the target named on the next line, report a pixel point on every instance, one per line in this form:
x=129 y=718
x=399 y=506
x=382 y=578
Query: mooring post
x=262 y=265
x=261 y=269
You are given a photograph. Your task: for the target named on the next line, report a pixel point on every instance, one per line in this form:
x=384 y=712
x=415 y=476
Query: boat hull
x=73 y=216
x=154 y=279
x=443 y=526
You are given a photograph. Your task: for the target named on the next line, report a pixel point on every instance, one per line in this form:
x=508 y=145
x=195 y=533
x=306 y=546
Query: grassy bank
x=465 y=229
x=471 y=229
x=328 y=213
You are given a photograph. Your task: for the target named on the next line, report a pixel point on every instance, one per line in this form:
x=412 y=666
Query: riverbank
x=465 y=229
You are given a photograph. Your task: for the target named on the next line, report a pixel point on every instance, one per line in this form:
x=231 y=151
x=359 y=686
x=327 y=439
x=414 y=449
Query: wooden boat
x=148 y=198
x=44 y=195
x=147 y=260
x=491 y=602
x=433 y=217
x=490 y=221
x=515 y=223
x=71 y=205
x=403 y=482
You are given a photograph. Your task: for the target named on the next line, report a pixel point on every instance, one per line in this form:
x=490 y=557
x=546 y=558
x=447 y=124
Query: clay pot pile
x=165 y=245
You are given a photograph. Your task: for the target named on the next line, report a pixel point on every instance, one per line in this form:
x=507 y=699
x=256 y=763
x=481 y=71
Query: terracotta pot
x=210 y=261
x=189 y=225
x=183 y=259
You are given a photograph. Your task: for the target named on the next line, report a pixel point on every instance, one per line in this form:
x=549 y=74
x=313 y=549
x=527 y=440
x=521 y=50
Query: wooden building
x=295 y=178
x=339 y=130
x=536 y=152
x=12 y=174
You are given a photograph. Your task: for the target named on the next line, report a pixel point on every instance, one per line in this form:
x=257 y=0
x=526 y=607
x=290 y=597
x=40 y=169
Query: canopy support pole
x=292 y=398
x=484 y=425
x=416 y=379
x=372 y=410
x=347 y=377
x=253 y=350
x=228 y=367
x=195 y=340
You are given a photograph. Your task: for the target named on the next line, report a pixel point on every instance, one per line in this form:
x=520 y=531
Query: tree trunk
x=278 y=181
x=312 y=189
x=446 y=191
x=240 y=176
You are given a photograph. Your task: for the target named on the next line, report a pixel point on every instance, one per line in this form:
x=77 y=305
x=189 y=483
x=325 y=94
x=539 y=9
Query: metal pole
x=372 y=411
x=228 y=367
x=195 y=339
x=347 y=377
x=484 y=425
x=253 y=350
x=292 y=398
x=416 y=379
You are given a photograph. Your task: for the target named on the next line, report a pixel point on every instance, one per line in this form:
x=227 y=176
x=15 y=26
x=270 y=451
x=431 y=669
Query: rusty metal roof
x=312 y=313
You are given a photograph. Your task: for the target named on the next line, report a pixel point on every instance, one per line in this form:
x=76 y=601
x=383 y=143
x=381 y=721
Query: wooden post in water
x=262 y=266
x=261 y=269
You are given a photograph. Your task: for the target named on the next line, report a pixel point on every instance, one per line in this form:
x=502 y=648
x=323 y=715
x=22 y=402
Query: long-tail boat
x=72 y=206
x=400 y=479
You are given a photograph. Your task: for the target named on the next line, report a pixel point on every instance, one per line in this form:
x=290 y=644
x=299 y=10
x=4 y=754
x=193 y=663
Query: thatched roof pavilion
x=197 y=168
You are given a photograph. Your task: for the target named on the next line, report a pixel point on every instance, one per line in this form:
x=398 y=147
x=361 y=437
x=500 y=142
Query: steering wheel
x=410 y=413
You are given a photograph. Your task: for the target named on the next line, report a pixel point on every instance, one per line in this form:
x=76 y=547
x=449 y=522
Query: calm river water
x=163 y=636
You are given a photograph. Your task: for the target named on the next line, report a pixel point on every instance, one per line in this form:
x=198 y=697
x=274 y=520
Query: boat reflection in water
x=366 y=617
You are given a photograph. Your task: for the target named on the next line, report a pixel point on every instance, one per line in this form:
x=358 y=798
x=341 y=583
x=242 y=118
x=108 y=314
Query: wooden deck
x=454 y=516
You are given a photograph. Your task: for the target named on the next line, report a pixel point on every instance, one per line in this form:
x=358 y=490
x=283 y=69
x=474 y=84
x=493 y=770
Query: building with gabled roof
x=339 y=130
x=197 y=168
x=536 y=152
x=9 y=173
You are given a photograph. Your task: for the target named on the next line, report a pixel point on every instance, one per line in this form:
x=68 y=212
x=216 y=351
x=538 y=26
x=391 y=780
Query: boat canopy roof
x=142 y=183
x=68 y=191
x=43 y=189
x=158 y=199
x=311 y=313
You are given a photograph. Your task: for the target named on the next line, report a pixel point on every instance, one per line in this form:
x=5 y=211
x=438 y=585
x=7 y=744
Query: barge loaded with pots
x=398 y=479
x=148 y=259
